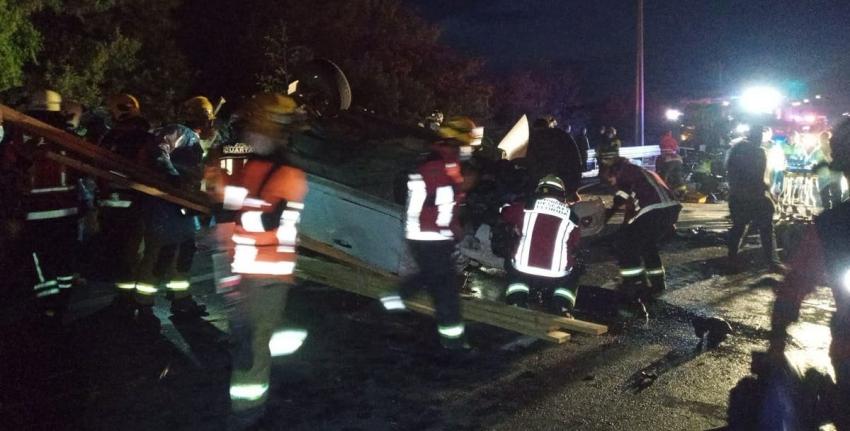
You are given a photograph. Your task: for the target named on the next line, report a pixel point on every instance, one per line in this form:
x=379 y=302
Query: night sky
x=695 y=48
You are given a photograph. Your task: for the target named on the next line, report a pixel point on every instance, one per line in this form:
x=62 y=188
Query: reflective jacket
x=822 y=259
x=641 y=191
x=269 y=198
x=433 y=195
x=49 y=189
x=548 y=237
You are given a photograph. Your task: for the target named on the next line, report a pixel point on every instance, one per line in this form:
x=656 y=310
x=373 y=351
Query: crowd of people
x=50 y=211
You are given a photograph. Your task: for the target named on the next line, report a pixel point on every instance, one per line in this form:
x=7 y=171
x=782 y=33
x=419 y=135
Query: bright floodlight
x=673 y=114
x=761 y=100
x=742 y=128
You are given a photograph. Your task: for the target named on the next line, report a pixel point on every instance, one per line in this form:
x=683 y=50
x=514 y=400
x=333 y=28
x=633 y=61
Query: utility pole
x=639 y=87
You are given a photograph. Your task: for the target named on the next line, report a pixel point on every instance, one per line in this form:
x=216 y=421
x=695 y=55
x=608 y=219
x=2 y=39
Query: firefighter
x=608 y=149
x=669 y=166
x=750 y=200
x=432 y=227
x=823 y=259
x=169 y=236
x=268 y=197
x=121 y=217
x=50 y=207
x=651 y=212
x=544 y=256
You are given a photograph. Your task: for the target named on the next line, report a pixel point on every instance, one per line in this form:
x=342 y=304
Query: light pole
x=639 y=88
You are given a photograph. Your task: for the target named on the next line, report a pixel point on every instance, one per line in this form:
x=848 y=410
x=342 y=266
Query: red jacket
x=49 y=188
x=642 y=191
x=433 y=195
x=269 y=198
x=549 y=237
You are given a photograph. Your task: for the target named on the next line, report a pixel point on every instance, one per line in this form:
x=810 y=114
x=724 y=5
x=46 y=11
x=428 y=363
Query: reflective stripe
x=295 y=205
x=229 y=281
x=44 y=215
x=65 y=278
x=48 y=292
x=146 y=289
x=657 y=271
x=234 y=197
x=452 y=331
x=622 y=194
x=631 y=272
x=255 y=203
x=286 y=342
x=125 y=286
x=114 y=203
x=269 y=268
x=252 y=221
x=445 y=202
x=44 y=285
x=179 y=285
x=565 y=293
x=393 y=303
x=248 y=392
x=65 y=281
x=52 y=189
x=517 y=287
x=286 y=249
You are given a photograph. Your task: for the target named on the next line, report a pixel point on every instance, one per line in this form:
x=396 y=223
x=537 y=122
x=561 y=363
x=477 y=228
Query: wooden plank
x=372 y=285
x=124 y=181
x=574 y=325
x=105 y=160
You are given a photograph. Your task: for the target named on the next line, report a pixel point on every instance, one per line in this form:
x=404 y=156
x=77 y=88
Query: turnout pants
x=255 y=311
x=53 y=250
x=558 y=294
x=637 y=246
x=437 y=275
x=757 y=212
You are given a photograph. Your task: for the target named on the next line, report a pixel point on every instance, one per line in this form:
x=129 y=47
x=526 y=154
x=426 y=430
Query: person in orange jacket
x=265 y=200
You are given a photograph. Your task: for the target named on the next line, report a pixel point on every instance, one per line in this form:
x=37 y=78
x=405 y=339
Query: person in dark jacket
x=750 y=200
x=552 y=151
x=583 y=143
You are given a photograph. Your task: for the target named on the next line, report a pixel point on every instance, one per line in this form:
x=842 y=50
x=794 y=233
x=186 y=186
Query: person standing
x=823 y=259
x=49 y=209
x=169 y=228
x=432 y=227
x=608 y=149
x=669 y=165
x=829 y=180
x=651 y=213
x=265 y=199
x=750 y=199
x=583 y=144
x=545 y=252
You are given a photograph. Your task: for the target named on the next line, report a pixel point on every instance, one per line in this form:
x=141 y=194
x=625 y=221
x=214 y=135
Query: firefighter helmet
x=45 y=100
x=271 y=114
x=840 y=147
x=197 y=110
x=461 y=130
x=551 y=185
x=123 y=107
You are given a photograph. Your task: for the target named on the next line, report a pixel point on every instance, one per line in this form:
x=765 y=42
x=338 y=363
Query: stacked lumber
x=347 y=273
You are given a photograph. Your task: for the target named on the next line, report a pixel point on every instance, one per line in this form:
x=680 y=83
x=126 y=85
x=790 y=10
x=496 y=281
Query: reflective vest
x=549 y=237
x=833 y=228
x=269 y=198
x=643 y=191
x=433 y=194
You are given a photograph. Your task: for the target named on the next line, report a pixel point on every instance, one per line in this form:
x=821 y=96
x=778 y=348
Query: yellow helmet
x=461 y=129
x=45 y=100
x=271 y=114
x=123 y=106
x=197 y=110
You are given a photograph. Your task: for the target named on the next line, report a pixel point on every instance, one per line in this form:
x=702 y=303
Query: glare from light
x=795 y=104
x=725 y=103
x=807 y=101
x=742 y=128
x=847 y=280
x=761 y=100
x=776 y=159
x=818 y=96
x=673 y=114
x=809 y=118
x=286 y=342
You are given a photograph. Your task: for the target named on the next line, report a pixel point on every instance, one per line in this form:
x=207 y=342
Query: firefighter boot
x=517 y=295
x=563 y=302
x=630 y=305
x=186 y=308
x=657 y=284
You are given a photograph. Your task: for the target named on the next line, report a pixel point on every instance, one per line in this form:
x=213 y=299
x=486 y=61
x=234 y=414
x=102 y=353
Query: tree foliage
x=19 y=40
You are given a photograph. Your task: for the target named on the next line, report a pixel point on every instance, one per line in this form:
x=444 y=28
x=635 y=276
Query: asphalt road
x=361 y=369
